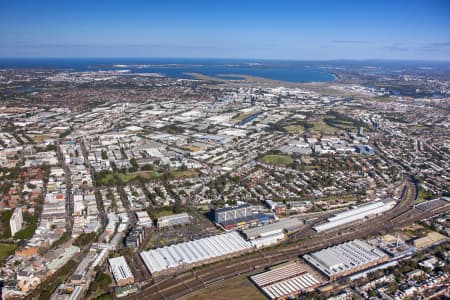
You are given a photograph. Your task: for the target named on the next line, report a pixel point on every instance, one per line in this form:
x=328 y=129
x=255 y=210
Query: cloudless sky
x=277 y=29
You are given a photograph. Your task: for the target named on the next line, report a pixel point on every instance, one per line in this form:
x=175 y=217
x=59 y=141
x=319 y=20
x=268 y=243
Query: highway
x=296 y=245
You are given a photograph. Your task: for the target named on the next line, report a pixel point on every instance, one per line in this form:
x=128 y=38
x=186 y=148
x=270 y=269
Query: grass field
x=163 y=213
x=280 y=160
x=294 y=129
x=110 y=178
x=320 y=126
x=183 y=173
x=145 y=174
x=6 y=250
x=237 y=288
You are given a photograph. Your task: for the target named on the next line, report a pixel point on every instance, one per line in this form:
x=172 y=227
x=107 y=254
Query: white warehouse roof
x=285 y=281
x=355 y=214
x=344 y=257
x=120 y=268
x=358 y=210
x=176 y=219
x=168 y=257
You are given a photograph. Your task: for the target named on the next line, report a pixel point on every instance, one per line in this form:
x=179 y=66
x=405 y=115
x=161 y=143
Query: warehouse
x=169 y=258
x=173 y=220
x=267 y=240
x=285 y=224
x=432 y=238
x=355 y=214
x=346 y=258
x=286 y=281
x=121 y=271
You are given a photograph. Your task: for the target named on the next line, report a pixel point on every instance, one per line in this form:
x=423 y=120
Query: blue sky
x=303 y=30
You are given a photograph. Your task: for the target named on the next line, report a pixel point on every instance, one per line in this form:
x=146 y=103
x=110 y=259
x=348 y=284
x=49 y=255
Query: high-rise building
x=16 y=221
x=232 y=213
x=360 y=131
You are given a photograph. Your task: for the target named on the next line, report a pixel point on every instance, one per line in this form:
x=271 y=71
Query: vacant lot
x=280 y=160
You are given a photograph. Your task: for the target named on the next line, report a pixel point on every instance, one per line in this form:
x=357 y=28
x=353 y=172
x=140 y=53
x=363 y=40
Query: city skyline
x=407 y=30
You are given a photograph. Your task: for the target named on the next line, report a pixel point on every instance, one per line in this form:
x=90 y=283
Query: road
x=69 y=194
x=183 y=284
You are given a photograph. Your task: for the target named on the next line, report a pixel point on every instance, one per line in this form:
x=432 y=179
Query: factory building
x=267 y=240
x=170 y=258
x=285 y=224
x=121 y=271
x=355 y=214
x=432 y=238
x=173 y=220
x=286 y=281
x=346 y=258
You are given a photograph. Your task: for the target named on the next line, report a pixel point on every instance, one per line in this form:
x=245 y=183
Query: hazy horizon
x=286 y=30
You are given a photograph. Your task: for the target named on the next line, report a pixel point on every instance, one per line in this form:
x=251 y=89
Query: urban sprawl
x=140 y=186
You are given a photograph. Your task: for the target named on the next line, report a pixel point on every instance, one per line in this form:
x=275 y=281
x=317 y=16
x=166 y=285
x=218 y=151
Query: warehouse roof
x=283 y=224
x=344 y=257
x=120 y=268
x=355 y=214
x=288 y=280
x=357 y=210
x=173 y=256
x=173 y=217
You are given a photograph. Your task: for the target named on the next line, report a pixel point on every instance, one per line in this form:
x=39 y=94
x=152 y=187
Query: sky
x=258 y=29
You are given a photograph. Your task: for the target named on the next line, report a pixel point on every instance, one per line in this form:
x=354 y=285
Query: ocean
x=292 y=71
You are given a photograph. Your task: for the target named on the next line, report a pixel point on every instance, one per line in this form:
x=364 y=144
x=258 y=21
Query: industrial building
x=232 y=213
x=16 y=221
x=286 y=281
x=173 y=220
x=268 y=240
x=346 y=258
x=192 y=253
x=432 y=238
x=121 y=271
x=285 y=224
x=355 y=214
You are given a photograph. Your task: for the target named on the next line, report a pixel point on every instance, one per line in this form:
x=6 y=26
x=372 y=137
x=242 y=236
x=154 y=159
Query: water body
x=292 y=71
